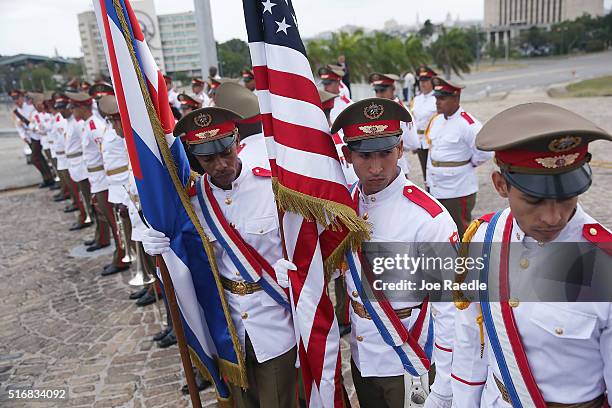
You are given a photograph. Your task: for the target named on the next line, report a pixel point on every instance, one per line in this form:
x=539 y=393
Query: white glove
x=155 y=242
x=437 y=401
x=281 y=268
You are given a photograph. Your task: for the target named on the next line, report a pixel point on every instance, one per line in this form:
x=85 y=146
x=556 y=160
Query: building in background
x=207 y=45
x=505 y=19
x=182 y=44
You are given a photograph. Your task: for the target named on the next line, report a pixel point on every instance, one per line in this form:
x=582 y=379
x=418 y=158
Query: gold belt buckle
x=241 y=288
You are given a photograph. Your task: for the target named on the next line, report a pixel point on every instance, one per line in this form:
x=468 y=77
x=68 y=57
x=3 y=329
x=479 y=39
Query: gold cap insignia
x=565 y=143
x=373 y=111
x=202 y=120
x=373 y=129
x=208 y=133
x=558 y=161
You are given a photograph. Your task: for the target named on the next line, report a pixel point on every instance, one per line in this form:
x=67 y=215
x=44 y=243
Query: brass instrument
x=124 y=243
x=86 y=207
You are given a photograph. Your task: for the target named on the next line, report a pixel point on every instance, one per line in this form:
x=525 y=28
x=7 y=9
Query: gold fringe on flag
x=236 y=373
x=462 y=302
x=329 y=214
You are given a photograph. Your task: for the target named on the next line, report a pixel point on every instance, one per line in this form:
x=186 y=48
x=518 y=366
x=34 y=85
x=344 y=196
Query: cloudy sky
x=41 y=26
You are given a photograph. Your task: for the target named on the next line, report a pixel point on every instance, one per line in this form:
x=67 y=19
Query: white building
x=180 y=44
x=504 y=19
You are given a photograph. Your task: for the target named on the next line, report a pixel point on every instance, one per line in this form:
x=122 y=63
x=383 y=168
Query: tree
x=496 y=51
x=416 y=54
x=39 y=78
x=233 y=57
x=451 y=52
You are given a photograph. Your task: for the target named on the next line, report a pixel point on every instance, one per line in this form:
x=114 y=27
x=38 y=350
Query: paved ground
x=62 y=325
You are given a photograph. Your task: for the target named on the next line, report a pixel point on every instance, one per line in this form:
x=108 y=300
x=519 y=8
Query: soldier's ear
x=400 y=149
x=500 y=184
x=347 y=154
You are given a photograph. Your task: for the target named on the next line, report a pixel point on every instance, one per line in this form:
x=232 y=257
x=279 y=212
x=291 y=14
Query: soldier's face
x=197 y=88
x=332 y=86
x=426 y=86
x=447 y=105
x=541 y=219
x=376 y=170
x=223 y=168
x=249 y=84
x=116 y=123
x=387 y=93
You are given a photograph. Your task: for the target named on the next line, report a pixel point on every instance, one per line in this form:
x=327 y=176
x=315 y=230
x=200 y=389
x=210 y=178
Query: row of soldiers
x=529 y=354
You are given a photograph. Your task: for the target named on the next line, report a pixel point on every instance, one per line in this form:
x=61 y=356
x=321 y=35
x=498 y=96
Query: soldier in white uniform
x=54 y=117
x=92 y=135
x=116 y=167
x=423 y=108
x=35 y=132
x=398 y=211
x=561 y=353
x=76 y=166
x=453 y=155
x=331 y=78
x=252 y=145
x=246 y=201
x=384 y=87
x=59 y=130
x=197 y=87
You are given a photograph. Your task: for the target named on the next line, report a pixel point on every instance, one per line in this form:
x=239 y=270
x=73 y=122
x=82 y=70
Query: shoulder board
x=92 y=125
x=599 y=236
x=240 y=147
x=345 y=99
x=337 y=138
x=423 y=200
x=57 y=119
x=467 y=118
x=261 y=172
x=487 y=217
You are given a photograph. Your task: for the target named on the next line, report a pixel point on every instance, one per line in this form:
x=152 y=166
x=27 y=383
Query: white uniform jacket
x=116 y=164
x=74 y=149
x=93 y=132
x=252 y=151
x=423 y=108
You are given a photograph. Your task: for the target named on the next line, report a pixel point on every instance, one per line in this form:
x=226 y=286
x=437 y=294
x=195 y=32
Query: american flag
x=309 y=185
x=162 y=175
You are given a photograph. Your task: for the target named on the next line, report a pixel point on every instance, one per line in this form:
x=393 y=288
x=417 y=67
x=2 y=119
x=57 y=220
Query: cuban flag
x=162 y=174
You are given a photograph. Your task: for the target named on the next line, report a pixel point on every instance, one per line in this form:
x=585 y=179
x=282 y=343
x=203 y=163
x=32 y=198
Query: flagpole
x=179 y=332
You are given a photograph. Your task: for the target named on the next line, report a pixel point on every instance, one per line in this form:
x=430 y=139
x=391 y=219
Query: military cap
x=425 y=73
x=247 y=75
x=331 y=73
x=100 y=89
x=372 y=124
x=85 y=86
x=188 y=100
x=327 y=99
x=376 y=78
x=197 y=82
x=444 y=87
x=107 y=105
x=36 y=97
x=237 y=98
x=542 y=149
x=15 y=93
x=61 y=101
x=78 y=98
x=208 y=130
x=167 y=77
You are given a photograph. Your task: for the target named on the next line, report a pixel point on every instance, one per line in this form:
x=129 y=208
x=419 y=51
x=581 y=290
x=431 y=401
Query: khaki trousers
x=460 y=209
x=272 y=384
x=378 y=392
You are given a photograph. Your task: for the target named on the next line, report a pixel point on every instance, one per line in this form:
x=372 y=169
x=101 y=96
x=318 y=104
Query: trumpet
x=124 y=243
x=86 y=207
x=141 y=277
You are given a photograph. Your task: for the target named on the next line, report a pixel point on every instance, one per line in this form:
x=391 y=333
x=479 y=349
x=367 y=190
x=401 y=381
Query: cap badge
x=208 y=133
x=558 y=161
x=373 y=129
x=373 y=111
x=202 y=120
x=565 y=143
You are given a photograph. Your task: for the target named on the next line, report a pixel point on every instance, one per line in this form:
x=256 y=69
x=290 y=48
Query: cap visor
x=214 y=147
x=374 y=145
x=557 y=186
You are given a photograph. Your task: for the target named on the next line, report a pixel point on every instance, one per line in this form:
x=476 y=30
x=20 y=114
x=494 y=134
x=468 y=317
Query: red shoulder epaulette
x=240 y=147
x=345 y=99
x=487 y=217
x=192 y=190
x=261 y=172
x=337 y=138
x=57 y=119
x=92 y=125
x=423 y=200
x=467 y=118
x=598 y=235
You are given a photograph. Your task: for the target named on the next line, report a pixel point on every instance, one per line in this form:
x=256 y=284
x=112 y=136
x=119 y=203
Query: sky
x=43 y=26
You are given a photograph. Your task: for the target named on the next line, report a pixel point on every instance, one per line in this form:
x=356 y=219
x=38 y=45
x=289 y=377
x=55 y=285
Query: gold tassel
x=461 y=302
x=222 y=402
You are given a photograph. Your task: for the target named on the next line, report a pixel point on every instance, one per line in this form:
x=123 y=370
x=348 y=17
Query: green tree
x=39 y=78
x=496 y=51
x=416 y=54
x=233 y=57
x=451 y=52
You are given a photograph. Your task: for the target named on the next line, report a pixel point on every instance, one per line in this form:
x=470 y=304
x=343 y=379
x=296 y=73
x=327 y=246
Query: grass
x=601 y=86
